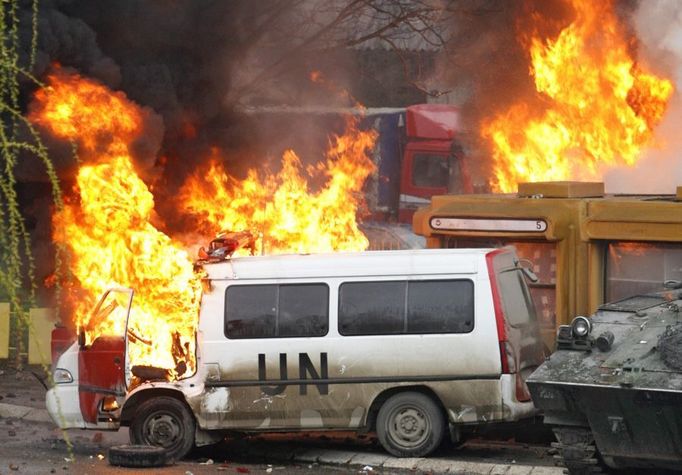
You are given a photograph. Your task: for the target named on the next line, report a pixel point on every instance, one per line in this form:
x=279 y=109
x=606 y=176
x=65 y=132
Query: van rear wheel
x=164 y=422
x=410 y=424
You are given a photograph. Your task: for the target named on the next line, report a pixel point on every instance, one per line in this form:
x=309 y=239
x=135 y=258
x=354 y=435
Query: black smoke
x=191 y=64
x=487 y=57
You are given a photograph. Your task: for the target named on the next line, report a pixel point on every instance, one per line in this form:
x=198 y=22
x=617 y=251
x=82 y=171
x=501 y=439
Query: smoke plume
x=487 y=63
x=658 y=25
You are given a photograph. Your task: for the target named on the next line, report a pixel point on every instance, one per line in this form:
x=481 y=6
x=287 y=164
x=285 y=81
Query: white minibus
x=414 y=345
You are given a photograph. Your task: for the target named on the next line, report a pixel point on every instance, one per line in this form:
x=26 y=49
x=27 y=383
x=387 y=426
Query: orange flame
x=109 y=234
x=280 y=207
x=109 y=229
x=597 y=106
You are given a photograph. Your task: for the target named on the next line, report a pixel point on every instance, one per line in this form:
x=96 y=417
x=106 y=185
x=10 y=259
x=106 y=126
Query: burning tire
x=138 y=456
x=410 y=424
x=164 y=422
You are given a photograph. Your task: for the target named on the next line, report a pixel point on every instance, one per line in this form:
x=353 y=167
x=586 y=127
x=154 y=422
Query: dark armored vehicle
x=613 y=389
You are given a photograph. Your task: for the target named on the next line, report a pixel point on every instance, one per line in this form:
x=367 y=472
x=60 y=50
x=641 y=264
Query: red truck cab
x=433 y=161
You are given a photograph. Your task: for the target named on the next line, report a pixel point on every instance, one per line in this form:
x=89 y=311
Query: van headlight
x=581 y=327
x=62 y=376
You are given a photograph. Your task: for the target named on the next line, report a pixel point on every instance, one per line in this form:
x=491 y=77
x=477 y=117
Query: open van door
x=101 y=363
x=521 y=347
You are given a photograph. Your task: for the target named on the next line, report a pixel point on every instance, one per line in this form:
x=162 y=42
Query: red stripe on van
x=499 y=312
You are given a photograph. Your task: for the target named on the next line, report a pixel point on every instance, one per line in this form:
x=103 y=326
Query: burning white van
x=405 y=343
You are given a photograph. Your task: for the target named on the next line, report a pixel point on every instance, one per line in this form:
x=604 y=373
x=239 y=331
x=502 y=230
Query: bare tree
x=280 y=36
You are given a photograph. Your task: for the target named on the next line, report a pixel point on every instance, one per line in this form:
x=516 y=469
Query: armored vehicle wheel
x=138 y=456
x=577 y=450
x=410 y=424
x=164 y=422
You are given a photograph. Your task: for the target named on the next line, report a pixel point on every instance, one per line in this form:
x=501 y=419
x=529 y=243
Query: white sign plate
x=480 y=224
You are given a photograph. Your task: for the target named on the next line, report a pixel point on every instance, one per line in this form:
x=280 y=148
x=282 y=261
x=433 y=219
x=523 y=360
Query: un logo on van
x=305 y=368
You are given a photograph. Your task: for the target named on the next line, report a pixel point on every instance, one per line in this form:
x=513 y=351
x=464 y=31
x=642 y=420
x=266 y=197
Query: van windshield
x=514 y=293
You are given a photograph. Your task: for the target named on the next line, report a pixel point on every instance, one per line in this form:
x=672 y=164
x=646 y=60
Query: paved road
x=29 y=443
x=29 y=447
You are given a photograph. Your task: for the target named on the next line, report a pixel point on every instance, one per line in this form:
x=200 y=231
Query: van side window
x=271 y=310
x=445 y=306
x=250 y=311
x=303 y=310
x=371 y=308
x=516 y=299
x=414 y=307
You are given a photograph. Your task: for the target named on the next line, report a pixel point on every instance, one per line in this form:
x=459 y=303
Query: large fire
x=112 y=242
x=285 y=213
x=596 y=106
x=108 y=229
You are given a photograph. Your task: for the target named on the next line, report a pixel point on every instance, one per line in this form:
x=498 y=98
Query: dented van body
x=407 y=343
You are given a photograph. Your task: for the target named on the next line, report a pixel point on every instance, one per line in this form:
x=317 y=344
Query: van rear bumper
x=514 y=409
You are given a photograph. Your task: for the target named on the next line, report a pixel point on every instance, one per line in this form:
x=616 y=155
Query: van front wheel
x=164 y=422
x=410 y=424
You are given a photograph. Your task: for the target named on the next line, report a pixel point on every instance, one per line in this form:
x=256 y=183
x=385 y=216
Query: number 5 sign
x=478 y=224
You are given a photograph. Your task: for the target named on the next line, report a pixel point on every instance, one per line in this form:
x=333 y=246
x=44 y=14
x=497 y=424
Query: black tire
x=410 y=424
x=164 y=422
x=138 y=456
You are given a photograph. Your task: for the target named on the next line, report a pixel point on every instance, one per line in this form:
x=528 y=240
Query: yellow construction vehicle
x=586 y=247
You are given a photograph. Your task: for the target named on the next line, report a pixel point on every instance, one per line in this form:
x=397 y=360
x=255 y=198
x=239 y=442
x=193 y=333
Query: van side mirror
x=81 y=336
